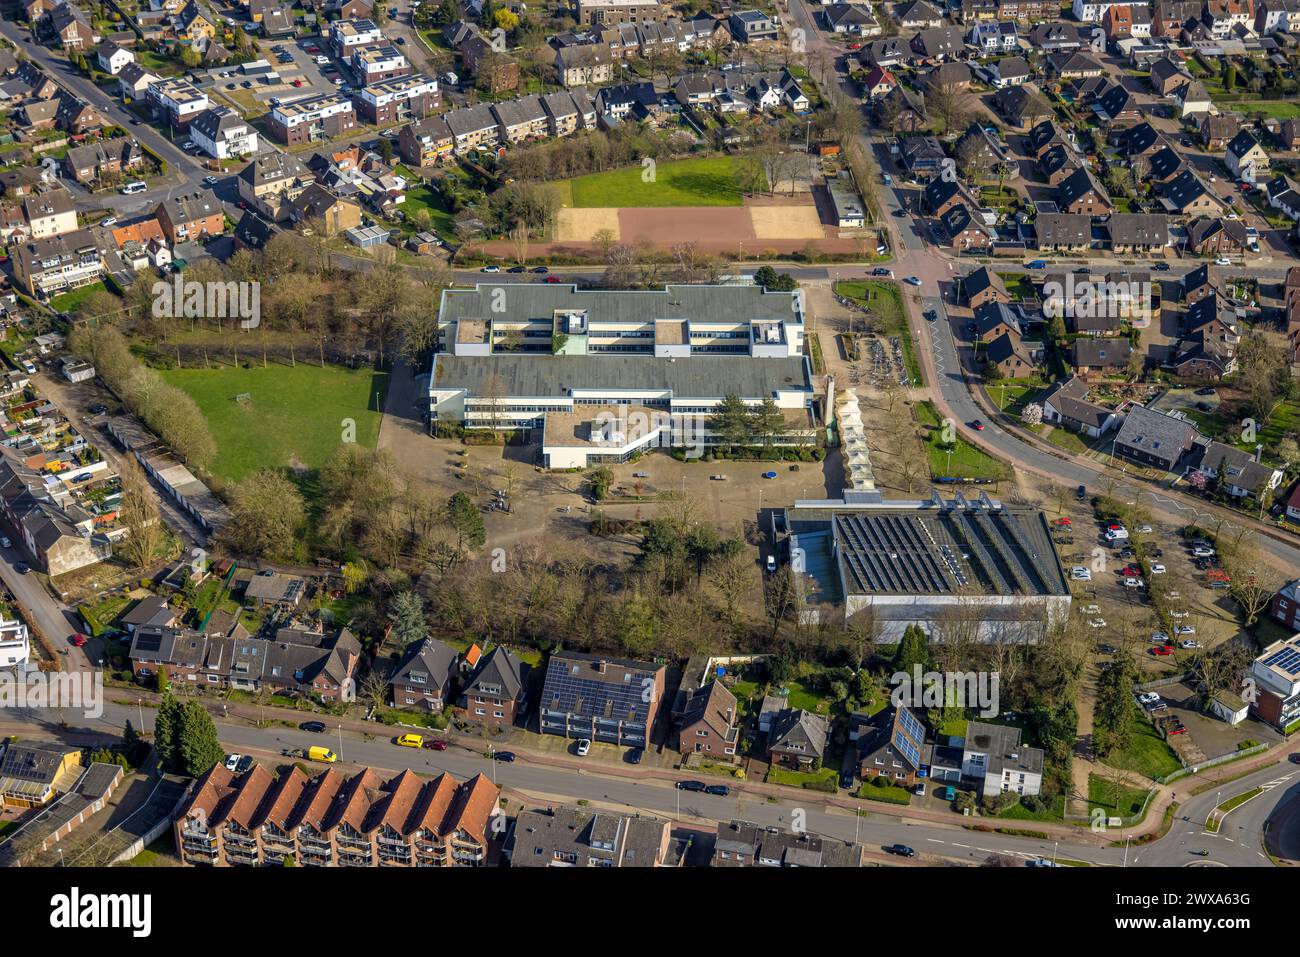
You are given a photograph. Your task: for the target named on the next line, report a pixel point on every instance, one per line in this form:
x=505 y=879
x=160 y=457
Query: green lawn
x=294 y=417
x=707 y=181
x=1055 y=811
x=423 y=196
x=1148 y=753
x=884 y=299
x=1277 y=109
x=1069 y=441
x=69 y=301
x=817 y=780
x=964 y=460
x=1101 y=793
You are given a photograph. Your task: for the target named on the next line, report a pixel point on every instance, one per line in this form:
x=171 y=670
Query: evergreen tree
x=1114 y=709
x=197 y=746
x=730 y=421
x=407 y=616
x=466 y=521
x=913 y=649
x=766 y=420
x=166 y=727
x=163 y=682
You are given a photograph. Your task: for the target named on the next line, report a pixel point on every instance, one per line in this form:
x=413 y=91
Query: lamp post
x=139 y=703
x=340 y=740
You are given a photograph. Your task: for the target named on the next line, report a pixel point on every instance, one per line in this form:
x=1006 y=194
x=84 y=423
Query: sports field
x=291 y=418
x=706 y=181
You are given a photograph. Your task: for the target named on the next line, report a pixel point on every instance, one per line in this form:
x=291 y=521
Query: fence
x=1212 y=762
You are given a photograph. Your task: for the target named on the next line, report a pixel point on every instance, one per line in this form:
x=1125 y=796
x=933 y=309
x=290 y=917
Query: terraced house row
x=331 y=820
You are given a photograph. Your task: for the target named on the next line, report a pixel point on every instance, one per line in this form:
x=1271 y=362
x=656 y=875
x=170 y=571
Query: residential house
x=1187 y=196
x=1235 y=471
x=938 y=44
x=797 y=739
x=994 y=755
x=1217 y=237
x=1245 y=158
x=709 y=722
x=50 y=212
x=892 y=746
x=103 y=158
x=1095 y=356
x=426 y=141
x=1081 y=193
x=111 y=57
x=752 y=26
x=271 y=181
x=133 y=81
x=964 y=232
x=981 y=286
x=742 y=844
x=521 y=120
x=193 y=218
x=1066 y=404
x=1063 y=232
x=425 y=676
x=222 y=133
x=589 y=64
x=1008 y=71
x=1010 y=357
x=73 y=28
x=1153 y=438
x=1138 y=232
x=495 y=692
x=1217 y=130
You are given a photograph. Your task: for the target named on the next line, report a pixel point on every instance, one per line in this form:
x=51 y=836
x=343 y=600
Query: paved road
x=543 y=783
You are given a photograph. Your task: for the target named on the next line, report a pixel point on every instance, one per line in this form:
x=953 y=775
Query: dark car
x=516 y=269
x=1081 y=492
x=1106 y=649
x=902 y=850
x=315 y=727
x=880 y=271
x=691 y=786
x=634 y=756
x=244 y=764
x=721 y=790
x=506 y=756
x=1293 y=758
x=435 y=744
x=541 y=270
x=900 y=212
x=1208 y=390
x=1161 y=267
x=20 y=568
x=847 y=781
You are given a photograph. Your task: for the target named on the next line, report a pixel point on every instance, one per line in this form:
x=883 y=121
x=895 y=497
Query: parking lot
x=1205 y=736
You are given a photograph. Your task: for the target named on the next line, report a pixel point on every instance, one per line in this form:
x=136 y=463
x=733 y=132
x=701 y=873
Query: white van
x=131 y=189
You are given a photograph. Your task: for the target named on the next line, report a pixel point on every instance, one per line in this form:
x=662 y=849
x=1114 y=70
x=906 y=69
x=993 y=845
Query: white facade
x=1090 y=11
x=15 y=648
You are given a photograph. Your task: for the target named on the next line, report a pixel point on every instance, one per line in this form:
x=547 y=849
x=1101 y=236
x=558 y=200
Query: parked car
x=1184 y=630
x=1098 y=623
x=1189 y=644
x=232 y=761
x=4 y=542
x=316 y=727
x=435 y=744
x=1161 y=651
x=883 y=271
x=78 y=640
x=409 y=740
x=912 y=281
x=721 y=790
x=1081 y=492
x=1104 y=649
x=245 y=762
x=1081 y=573
x=902 y=850
x=1134 y=583
x=634 y=756
x=691 y=786
x=584 y=746
x=1158 y=569
x=1036 y=264
x=490 y=269
x=506 y=756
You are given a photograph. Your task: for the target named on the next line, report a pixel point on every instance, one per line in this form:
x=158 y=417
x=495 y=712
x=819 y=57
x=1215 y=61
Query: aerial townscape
x=637 y=433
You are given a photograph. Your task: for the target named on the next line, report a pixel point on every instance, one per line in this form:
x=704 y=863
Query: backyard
x=283 y=417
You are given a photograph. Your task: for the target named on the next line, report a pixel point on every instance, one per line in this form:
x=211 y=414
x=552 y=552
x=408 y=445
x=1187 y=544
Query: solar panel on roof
x=907 y=749
x=1288 y=660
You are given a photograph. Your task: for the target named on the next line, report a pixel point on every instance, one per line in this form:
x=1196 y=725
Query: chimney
x=1258 y=450
x=602 y=665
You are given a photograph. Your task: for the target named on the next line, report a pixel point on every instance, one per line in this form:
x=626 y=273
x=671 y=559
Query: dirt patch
x=669 y=225
x=786 y=222
x=580 y=225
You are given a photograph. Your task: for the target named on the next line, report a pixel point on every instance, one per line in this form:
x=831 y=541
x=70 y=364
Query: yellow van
x=411 y=741
x=322 y=754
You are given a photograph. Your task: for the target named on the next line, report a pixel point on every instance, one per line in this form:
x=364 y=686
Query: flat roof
x=702 y=376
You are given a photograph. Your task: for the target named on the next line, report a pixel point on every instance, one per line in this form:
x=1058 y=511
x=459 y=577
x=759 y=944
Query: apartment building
x=1276 y=673
x=346 y=36
x=177 y=101
x=383 y=61
x=742 y=844
x=607 y=373
x=222 y=133
x=311 y=119
x=425 y=676
x=271 y=182
x=426 y=142
x=473 y=127
x=522 y=119
x=47 y=267
x=191 y=218
x=614 y=700
x=595 y=12
x=15 y=646
x=579 y=837
x=399 y=100
x=50 y=212
x=329 y=820
x=568 y=111
x=495 y=692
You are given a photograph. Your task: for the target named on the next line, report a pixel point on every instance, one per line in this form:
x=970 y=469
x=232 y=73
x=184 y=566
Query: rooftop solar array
x=1288 y=660
x=573 y=686
x=946 y=551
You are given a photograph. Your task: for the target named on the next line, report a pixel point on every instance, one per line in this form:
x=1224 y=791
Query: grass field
x=707 y=181
x=964 y=461
x=294 y=418
x=1102 y=794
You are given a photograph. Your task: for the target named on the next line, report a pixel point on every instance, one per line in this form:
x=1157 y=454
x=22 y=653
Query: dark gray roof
x=1155 y=433
x=427 y=663
x=1138 y=229
x=1005 y=752
x=797 y=731
x=1100 y=353
x=1063 y=229
x=581 y=837
x=701 y=377
x=501 y=670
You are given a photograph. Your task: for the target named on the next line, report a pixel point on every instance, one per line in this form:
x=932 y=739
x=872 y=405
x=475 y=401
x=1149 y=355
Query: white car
x=110 y=221
x=1116 y=534
x=1174 y=594
x=490 y=269
x=1201 y=551
x=1134 y=583
x=4 y=542
x=1145 y=529
x=912 y=281
x=1159 y=638
x=1096 y=622
x=209 y=181
x=1189 y=644
x=1158 y=569
x=1222 y=261
x=1081 y=574
x=232 y=761
x=584 y=746
x=1184 y=630
x=1148 y=697
x=321 y=59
